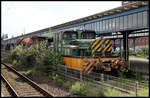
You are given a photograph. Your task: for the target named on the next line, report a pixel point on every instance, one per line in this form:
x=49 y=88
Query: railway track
x=7 y=88
x=19 y=85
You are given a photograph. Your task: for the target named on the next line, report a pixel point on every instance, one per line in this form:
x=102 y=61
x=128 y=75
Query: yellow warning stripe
x=95 y=43
x=99 y=49
x=90 y=70
x=97 y=46
x=107 y=46
x=89 y=66
x=85 y=66
x=110 y=48
x=106 y=41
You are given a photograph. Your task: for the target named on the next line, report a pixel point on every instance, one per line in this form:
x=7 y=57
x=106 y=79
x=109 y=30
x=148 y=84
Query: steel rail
x=11 y=90
x=32 y=83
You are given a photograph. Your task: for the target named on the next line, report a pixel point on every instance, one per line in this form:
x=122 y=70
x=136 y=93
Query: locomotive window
x=66 y=36
x=69 y=35
x=66 y=51
x=83 y=52
x=91 y=35
x=84 y=35
x=87 y=35
x=74 y=36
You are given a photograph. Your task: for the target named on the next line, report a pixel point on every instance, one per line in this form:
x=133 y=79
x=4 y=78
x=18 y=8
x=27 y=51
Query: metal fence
x=103 y=80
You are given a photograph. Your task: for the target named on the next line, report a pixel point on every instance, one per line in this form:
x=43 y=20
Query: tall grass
x=143 y=92
x=85 y=89
x=110 y=92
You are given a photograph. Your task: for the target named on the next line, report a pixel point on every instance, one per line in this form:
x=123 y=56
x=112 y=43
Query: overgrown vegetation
x=85 y=89
x=67 y=84
x=93 y=90
x=39 y=57
x=143 y=52
x=143 y=92
x=110 y=92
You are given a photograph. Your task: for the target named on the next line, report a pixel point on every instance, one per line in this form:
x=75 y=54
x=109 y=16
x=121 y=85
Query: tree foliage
x=4 y=36
x=39 y=56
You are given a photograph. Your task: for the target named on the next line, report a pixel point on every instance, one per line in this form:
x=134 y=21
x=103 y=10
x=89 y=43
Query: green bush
x=67 y=83
x=144 y=92
x=109 y=92
x=60 y=81
x=139 y=77
x=29 y=72
x=17 y=52
x=85 y=88
x=17 y=55
x=91 y=89
x=143 y=52
x=54 y=76
x=7 y=59
x=77 y=88
x=40 y=57
x=132 y=53
x=121 y=74
x=48 y=59
x=14 y=62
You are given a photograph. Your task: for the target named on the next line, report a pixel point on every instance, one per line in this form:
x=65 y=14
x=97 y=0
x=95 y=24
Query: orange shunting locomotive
x=81 y=49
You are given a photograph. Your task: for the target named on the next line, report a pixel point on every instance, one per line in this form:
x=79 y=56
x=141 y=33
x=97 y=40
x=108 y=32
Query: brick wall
x=142 y=41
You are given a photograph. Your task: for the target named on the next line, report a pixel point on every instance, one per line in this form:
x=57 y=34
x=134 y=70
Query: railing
x=121 y=84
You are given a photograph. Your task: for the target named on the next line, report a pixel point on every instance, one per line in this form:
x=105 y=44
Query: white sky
x=25 y=16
